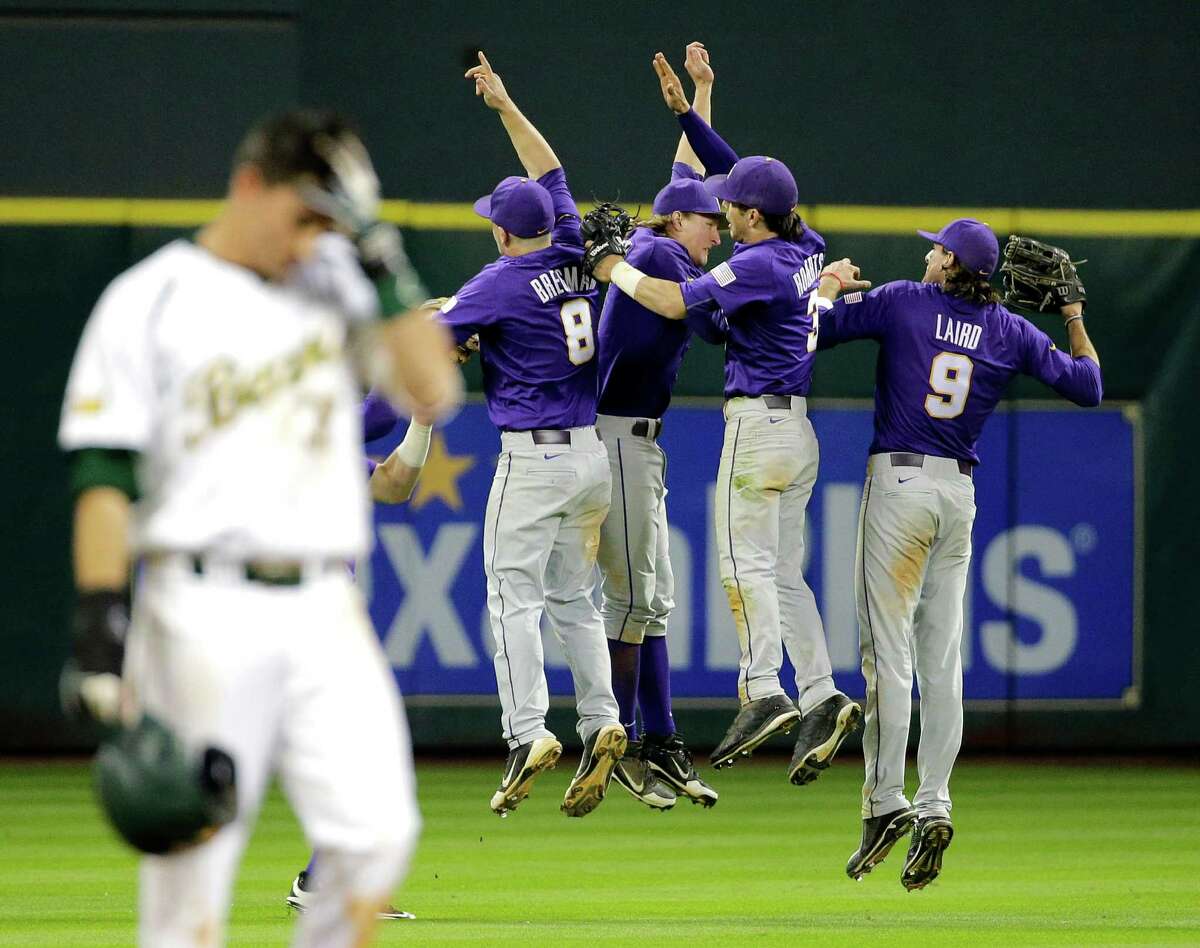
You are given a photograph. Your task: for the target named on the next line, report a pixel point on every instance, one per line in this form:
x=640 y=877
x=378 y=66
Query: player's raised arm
x=533 y=151
x=697 y=66
x=712 y=151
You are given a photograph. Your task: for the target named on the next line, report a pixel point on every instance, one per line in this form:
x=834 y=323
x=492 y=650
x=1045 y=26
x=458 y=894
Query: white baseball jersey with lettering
x=239 y=400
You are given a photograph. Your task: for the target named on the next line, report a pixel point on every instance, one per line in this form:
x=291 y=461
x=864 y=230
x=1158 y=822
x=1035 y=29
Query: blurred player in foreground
x=334 y=274
x=947 y=352
x=533 y=311
x=770 y=455
x=639 y=362
x=210 y=417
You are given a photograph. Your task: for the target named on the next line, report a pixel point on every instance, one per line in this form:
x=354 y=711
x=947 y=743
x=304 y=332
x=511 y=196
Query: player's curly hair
x=969 y=286
x=282 y=146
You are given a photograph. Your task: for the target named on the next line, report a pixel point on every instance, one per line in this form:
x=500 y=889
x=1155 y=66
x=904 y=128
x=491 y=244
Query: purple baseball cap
x=520 y=205
x=971 y=241
x=759 y=182
x=688 y=195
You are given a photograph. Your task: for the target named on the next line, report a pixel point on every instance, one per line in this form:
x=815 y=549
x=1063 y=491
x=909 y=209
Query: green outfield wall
x=119 y=118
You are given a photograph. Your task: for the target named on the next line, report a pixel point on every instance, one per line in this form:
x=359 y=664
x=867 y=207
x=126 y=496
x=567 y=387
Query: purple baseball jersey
x=535 y=316
x=640 y=351
x=762 y=292
x=944 y=363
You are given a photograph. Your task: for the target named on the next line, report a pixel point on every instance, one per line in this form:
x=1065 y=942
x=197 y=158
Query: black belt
x=269 y=573
x=777 y=401
x=550 y=436
x=647 y=428
x=907 y=459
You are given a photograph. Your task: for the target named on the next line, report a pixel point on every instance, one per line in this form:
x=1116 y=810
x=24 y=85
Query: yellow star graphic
x=439 y=477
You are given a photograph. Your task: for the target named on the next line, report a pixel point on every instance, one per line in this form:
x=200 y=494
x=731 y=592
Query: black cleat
x=670 y=758
x=601 y=752
x=644 y=785
x=523 y=765
x=302 y=894
x=821 y=733
x=931 y=837
x=879 y=835
x=756 y=721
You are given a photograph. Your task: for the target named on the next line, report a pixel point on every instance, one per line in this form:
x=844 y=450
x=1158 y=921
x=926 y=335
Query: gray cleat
x=522 y=767
x=820 y=734
x=756 y=721
x=601 y=751
x=879 y=835
x=635 y=775
x=670 y=758
x=931 y=837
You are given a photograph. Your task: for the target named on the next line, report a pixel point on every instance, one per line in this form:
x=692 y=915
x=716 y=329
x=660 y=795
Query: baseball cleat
x=633 y=773
x=670 y=758
x=302 y=895
x=522 y=767
x=755 y=722
x=931 y=837
x=601 y=752
x=879 y=835
x=820 y=735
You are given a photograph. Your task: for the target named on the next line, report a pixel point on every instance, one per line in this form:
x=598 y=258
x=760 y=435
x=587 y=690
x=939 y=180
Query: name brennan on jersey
x=963 y=334
x=220 y=393
x=560 y=281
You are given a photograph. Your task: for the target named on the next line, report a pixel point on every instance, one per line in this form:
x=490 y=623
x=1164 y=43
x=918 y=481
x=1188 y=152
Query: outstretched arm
x=393 y=481
x=712 y=150
x=696 y=64
x=533 y=151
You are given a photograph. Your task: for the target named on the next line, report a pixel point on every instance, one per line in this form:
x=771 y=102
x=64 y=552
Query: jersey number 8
x=950 y=378
x=577 y=324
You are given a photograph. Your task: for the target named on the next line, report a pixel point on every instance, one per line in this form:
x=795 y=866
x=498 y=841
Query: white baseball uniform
x=238 y=398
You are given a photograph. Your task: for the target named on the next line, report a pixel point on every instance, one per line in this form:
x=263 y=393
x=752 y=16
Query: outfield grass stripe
x=453 y=216
x=1043 y=855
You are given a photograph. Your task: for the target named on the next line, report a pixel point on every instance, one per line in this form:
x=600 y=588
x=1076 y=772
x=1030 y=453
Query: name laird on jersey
x=220 y=391
x=560 y=281
x=958 y=333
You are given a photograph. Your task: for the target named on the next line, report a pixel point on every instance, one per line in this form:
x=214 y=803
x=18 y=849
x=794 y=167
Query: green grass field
x=1044 y=854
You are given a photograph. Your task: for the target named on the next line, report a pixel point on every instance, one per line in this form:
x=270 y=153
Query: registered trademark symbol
x=1084 y=537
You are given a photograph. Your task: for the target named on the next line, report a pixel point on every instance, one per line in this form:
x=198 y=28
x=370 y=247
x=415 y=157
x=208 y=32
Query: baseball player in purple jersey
x=769 y=459
x=947 y=351
x=534 y=313
x=639 y=358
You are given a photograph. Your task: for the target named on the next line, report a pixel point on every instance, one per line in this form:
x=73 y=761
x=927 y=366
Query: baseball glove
x=605 y=232
x=1039 y=276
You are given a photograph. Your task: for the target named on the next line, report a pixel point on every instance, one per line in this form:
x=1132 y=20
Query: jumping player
x=224 y=404
x=769 y=459
x=947 y=352
x=639 y=362
x=534 y=313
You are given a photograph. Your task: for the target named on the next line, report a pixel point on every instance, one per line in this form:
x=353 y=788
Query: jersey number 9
x=950 y=378
x=577 y=324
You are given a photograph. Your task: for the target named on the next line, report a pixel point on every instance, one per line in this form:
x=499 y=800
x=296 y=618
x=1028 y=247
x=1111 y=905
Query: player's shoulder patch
x=855 y=297
x=723 y=274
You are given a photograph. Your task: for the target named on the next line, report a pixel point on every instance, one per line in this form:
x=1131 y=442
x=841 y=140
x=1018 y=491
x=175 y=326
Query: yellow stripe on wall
x=827 y=218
